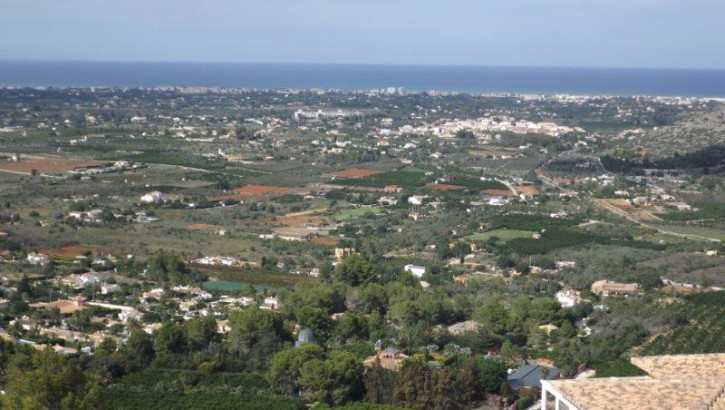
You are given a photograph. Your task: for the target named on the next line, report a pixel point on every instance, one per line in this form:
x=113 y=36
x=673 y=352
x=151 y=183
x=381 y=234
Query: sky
x=562 y=33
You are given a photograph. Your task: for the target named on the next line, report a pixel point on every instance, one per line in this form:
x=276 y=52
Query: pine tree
x=379 y=384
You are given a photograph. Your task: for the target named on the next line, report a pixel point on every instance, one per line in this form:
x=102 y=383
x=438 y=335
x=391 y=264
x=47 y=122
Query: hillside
x=690 y=134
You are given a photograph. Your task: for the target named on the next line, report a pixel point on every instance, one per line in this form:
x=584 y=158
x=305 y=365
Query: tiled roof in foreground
x=684 y=366
x=677 y=382
x=635 y=393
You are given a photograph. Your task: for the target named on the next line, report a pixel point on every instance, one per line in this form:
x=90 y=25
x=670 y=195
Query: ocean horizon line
x=706 y=83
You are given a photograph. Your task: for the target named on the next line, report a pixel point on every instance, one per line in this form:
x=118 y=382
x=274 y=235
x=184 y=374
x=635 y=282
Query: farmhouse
x=154 y=197
x=38 y=259
x=416 y=199
x=80 y=281
x=66 y=307
x=498 y=201
x=608 y=288
x=390 y=359
x=460 y=328
x=568 y=298
x=342 y=253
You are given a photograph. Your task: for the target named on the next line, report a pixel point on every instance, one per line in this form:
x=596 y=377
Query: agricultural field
x=254 y=192
x=408 y=178
x=500 y=234
x=355 y=173
x=696 y=231
x=701 y=211
x=229 y=279
x=156 y=175
x=443 y=187
x=703 y=334
x=358 y=212
x=44 y=164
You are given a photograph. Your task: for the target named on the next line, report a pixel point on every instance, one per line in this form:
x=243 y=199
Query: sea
x=413 y=78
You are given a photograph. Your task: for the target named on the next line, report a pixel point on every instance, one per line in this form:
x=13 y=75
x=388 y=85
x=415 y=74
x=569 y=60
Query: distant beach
x=471 y=79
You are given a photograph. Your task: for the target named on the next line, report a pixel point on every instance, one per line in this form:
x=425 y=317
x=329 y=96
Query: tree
x=405 y=390
x=170 y=339
x=378 y=382
x=465 y=134
x=492 y=316
x=47 y=382
x=373 y=298
x=201 y=332
x=492 y=373
x=139 y=348
x=167 y=267
x=445 y=391
x=316 y=319
x=105 y=348
x=256 y=335
x=80 y=321
x=354 y=270
x=284 y=368
x=352 y=326
x=335 y=380
x=24 y=285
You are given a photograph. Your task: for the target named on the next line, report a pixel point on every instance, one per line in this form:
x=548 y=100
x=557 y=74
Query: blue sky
x=598 y=33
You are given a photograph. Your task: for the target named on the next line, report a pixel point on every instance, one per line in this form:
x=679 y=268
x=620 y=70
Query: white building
x=568 y=298
x=498 y=201
x=38 y=259
x=270 y=303
x=417 y=271
x=154 y=197
x=416 y=200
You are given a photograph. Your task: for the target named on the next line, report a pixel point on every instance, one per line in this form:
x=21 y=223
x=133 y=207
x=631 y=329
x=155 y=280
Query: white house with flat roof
x=417 y=271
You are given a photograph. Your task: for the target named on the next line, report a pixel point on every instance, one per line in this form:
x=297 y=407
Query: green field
x=231 y=279
x=502 y=234
x=712 y=233
x=356 y=212
x=227 y=286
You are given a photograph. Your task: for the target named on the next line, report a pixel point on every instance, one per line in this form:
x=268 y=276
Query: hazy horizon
x=312 y=63
x=516 y=33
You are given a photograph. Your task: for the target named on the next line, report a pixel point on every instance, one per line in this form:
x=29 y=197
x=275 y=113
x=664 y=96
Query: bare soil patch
x=497 y=192
x=444 y=187
x=44 y=165
x=355 y=173
x=619 y=203
x=205 y=227
x=254 y=191
x=527 y=190
x=71 y=251
x=325 y=241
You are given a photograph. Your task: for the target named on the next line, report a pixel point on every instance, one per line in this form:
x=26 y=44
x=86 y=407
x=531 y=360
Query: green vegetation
x=475 y=184
x=703 y=211
x=501 y=234
x=359 y=212
x=455 y=328
x=703 y=318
